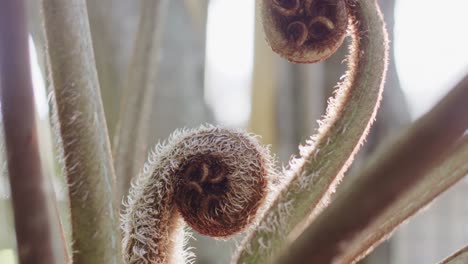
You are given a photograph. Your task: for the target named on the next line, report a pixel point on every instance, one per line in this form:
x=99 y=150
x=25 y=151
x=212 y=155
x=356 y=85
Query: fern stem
x=33 y=213
x=445 y=175
x=86 y=152
x=314 y=176
x=130 y=142
x=393 y=171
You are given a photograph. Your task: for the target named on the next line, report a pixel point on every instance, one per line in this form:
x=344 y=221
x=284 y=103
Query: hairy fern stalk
x=215 y=178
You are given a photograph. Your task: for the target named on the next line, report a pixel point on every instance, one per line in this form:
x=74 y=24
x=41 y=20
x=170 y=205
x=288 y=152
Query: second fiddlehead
x=305 y=31
x=314 y=176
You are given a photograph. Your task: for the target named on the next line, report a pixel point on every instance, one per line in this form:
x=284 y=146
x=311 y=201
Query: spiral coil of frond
x=215 y=178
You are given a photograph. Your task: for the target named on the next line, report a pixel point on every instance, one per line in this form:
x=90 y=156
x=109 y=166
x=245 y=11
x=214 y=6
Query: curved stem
x=313 y=177
x=130 y=141
x=458 y=257
x=86 y=149
x=393 y=172
x=215 y=178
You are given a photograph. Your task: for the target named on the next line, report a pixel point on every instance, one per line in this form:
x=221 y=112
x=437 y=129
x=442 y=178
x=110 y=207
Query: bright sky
x=7 y=256
x=38 y=82
x=229 y=58
x=431 y=46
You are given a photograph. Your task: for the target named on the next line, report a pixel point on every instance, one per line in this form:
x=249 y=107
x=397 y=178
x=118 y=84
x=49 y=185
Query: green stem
x=314 y=177
x=452 y=170
x=394 y=171
x=86 y=149
x=131 y=139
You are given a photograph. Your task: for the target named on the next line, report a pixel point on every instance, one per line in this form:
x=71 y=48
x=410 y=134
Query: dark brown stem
x=394 y=171
x=32 y=213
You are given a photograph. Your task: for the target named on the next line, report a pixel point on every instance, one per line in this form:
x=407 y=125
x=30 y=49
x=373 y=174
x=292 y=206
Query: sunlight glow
x=229 y=60
x=38 y=82
x=431 y=51
x=7 y=256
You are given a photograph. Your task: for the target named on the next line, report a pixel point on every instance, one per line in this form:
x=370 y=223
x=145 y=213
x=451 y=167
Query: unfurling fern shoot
x=217 y=179
x=304 y=31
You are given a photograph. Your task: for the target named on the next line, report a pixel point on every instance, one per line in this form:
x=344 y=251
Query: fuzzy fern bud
x=304 y=31
x=215 y=178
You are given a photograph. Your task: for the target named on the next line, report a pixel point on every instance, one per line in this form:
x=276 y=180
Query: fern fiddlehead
x=305 y=31
x=215 y=178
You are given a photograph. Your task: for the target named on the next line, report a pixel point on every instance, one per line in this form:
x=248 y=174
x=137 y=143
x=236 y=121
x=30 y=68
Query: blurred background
x=215 y=67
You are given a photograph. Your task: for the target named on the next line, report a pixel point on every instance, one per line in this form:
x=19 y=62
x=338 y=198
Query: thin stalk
x=459 y=257
x=86 y=149
x=113 y=26
x=393 y=172
x=452 y=169
x=314 y=177
x=131 y=139
x=101 y=18
x=32 y=213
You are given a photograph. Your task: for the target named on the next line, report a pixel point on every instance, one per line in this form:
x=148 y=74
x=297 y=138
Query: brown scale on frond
x=305 y=31
x=297 y=32
x=204 y=192
x=286 y=7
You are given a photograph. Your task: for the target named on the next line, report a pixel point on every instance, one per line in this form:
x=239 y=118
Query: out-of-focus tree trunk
x=113 y=26
x=178 y=100
x=300 y=104
x=131 y=138
x=266 y=68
